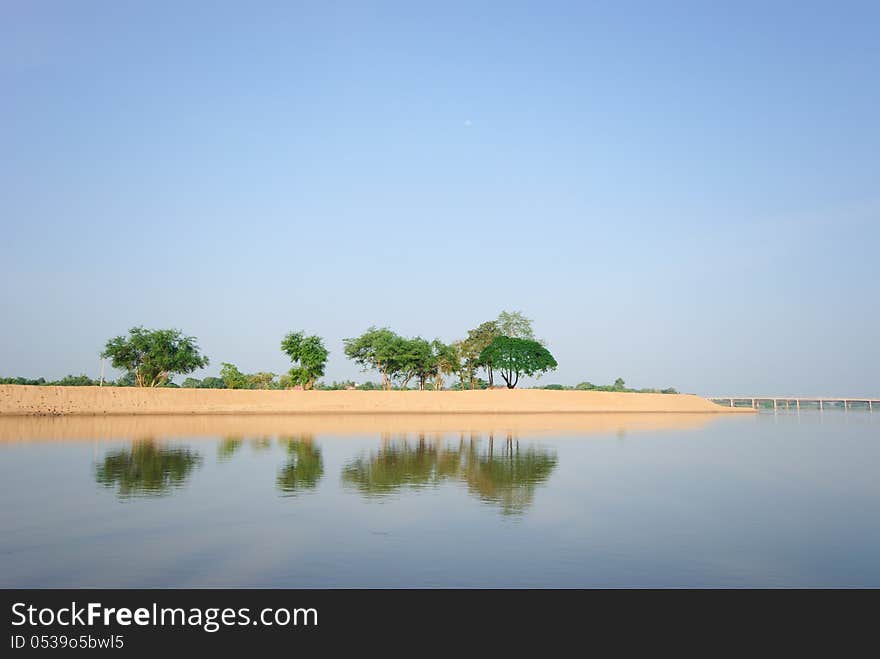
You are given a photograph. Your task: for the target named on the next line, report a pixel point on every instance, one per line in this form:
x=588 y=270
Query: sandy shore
x=30 y=400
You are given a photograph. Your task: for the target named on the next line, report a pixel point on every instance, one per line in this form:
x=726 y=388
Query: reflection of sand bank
x=25 y=428
x=28 y=400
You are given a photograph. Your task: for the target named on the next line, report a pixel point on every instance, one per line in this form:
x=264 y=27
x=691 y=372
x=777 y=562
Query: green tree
x=308 y=355
x=619 y=385
x=261 y=380
x=211 y=382
x=379 y=349
x=447 y=359
x=76 y=381
x=515 y=357
x=154 y=355
x=232 y=377
x=478 y=339
x=515 y=324
x=417 y=360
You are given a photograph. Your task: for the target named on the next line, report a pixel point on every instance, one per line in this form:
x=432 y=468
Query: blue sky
x=679 y=194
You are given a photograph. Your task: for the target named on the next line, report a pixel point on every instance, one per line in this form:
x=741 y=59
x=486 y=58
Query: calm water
x=766 y=500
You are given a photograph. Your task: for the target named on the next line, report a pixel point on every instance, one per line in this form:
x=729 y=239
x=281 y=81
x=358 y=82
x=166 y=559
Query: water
x=641 y=500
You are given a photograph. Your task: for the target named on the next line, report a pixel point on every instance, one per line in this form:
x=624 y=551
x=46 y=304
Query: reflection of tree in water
x=228 y=447
x=400 y=463
x=506 y=477
x=146 y=469
x=304 y=466
x=261 y=444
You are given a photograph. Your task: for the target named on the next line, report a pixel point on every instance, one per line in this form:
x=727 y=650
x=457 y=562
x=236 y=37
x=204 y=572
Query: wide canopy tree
x=153 y=356
x=378 y=348
x=516 y=357
x=308 y=355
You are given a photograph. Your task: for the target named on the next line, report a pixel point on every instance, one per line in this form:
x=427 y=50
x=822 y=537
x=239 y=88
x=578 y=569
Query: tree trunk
x=506 y=376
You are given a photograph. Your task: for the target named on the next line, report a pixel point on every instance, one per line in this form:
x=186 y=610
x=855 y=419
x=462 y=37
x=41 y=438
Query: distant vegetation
x=618 y=386
x=506 y=346
x=66 y=381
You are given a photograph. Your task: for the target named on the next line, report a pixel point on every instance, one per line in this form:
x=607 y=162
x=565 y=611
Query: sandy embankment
x=31 y=400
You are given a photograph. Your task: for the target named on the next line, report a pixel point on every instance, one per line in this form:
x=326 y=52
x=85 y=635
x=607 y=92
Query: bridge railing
x=796 y=402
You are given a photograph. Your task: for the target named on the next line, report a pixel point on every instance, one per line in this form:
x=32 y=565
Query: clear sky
x=680 y=194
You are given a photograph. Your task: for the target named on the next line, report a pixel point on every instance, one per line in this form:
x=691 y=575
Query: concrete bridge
x=797 y=402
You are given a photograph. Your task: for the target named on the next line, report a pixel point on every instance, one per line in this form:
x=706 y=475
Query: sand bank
x=32 y=400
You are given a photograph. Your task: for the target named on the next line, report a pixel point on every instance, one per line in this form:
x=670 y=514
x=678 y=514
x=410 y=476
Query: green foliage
x=213 y=383
x=618 y=386
x=154 y=355
x=369 y=386
x=76 y=381
x=515 y=357
x=379 y=349
x=232 y=377
x=261 y=380
x=416 y=360
x=66 y=381
x=447 y=359
x=400 y=360
x=127 y=380
x=207 y=383
x=515 y=324
x=26 y=381
x=309 y=357
x=340 y=386
x=472 y=348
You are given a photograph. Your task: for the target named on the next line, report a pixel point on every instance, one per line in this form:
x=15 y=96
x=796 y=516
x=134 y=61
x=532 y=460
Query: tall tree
x=153 y=356
x=515 y=324
x=515 y=357
x=416 y=360
x=377 y=348
x=447 y=359
x=308 y=355
x=472 y=347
